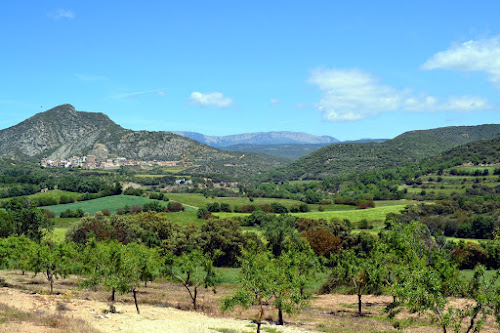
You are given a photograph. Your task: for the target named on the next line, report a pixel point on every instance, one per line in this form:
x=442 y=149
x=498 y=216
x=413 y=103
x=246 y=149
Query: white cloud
x=135 y=94
x=61 y=14
x=474 y=56
x=353 y=94
x=274 y=101
x=216 y=99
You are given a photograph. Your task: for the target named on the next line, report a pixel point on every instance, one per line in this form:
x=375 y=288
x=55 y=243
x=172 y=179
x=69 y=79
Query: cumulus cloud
x=353 y=94
x=216 y=99
x=61 y=14
x=473 y=56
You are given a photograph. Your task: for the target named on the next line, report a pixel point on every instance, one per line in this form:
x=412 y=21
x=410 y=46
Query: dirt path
x=152 y=319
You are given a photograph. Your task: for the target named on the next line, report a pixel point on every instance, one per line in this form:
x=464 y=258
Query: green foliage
x=192 y=270
x=409 y=147
x=256 y=283
x=28 y=220
x=224 y=236
x=359 y=276
x=7 y=226
x=52 y=260
x=118 y=267
x=280 y=232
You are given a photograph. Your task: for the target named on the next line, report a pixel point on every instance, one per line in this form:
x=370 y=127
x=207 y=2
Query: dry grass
x=326 y=313
x=56 y=321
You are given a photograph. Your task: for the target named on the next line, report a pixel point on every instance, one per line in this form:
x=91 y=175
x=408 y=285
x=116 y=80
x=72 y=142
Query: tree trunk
x=280 y=316
x=359 y=304
x=134 y=291
x=194 y=298
x=112 y=294
x=259 y=320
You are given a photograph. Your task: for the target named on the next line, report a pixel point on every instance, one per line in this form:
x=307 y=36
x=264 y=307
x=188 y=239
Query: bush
x=364 y=224
x=365 y=204
x=213 y=207
x=152 y=206
x=257 y=218
x=278 y=208
x=134 y=191
x=72 y=213
x=106 y=212
x=175 y=207
x=322 y=241
x=135 y=209
x=468 y=255
x=203 y=213
x=50 y=214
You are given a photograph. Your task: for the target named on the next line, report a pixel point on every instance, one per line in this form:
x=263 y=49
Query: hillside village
x=92 y=162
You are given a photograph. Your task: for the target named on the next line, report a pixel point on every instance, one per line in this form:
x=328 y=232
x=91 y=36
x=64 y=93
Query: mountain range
x=62 y=132
x=259 y=138
x=283 y=144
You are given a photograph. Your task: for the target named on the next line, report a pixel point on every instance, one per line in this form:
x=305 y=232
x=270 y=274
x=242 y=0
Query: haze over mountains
x=259 y=138
x=283 y=144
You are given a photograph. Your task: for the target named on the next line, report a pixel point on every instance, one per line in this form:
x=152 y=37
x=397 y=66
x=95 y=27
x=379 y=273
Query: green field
x=113 y=203
x=56 y=194
x=198 y=200
x=371 y=214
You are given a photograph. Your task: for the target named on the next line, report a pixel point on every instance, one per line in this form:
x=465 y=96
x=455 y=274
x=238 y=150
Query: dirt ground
x=152 y=318
x=166 y=307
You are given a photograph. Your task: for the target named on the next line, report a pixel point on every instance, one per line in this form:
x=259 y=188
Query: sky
x=347 y=69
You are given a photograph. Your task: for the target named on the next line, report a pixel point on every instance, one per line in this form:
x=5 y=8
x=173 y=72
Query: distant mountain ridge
x=62 y=132
x=259 y=138
x=409 y=147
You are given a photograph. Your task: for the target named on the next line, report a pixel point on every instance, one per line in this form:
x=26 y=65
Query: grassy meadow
x=370 y=214
x=198 y=200
x=112 y=203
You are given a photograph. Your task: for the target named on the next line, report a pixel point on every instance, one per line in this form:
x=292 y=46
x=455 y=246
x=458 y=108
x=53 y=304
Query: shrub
x=365 y=204
x=279 y=208
x=153 y=206
x=50 y=214
x=106 y=212
x=175 y=207
x=135 y=209
x=72 y=213
x=322 y=241
x=364 y=224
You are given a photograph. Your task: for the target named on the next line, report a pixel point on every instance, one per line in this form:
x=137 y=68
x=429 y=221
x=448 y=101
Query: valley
x=149 y=232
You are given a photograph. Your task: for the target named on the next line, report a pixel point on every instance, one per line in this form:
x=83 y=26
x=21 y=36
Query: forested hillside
x=410 y=147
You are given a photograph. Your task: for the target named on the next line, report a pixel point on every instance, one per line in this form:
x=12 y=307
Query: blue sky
x=351 y=70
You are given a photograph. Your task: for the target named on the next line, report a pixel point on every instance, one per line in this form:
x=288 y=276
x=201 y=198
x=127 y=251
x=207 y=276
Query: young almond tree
x=257 y=283
x=53 y=260
x=294 y=271
x=114 y=266
x=193 y=271
x=360 y=276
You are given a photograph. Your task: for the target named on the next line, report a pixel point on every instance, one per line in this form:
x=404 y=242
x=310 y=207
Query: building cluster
x=92 y=162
